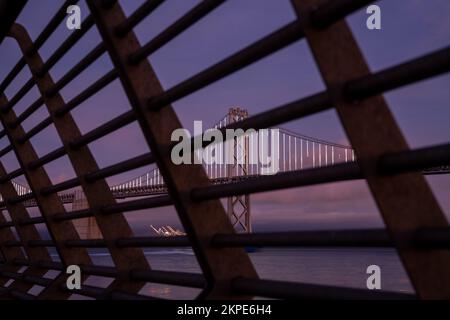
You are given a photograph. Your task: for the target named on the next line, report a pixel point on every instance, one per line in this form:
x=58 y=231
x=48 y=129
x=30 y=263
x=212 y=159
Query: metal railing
x=415 y=225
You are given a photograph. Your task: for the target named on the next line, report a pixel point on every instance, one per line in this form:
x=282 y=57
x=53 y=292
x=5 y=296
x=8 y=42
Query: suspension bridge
x=290 y=150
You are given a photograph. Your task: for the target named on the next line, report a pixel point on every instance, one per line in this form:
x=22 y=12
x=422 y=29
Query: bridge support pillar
x=238 y=207
x=87 y=228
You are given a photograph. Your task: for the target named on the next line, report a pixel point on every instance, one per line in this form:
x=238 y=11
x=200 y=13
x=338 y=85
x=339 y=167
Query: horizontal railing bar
x=5 y=225
x=325 y=238
x=136 y=17
x=176 y=241
x=35 y=130
x=90 y=58
x=105 y=129
x=127 y=165
x=87 y=93
x=102 y=271
x=260 y=49
x=40 y=243
x=68 y=184
x=11 y=275
x=40 y=281
x=13 y=174
x=13 y=243
x=334 y=10
x=30 y=221
x=306 y=177
x=13 y=74
x=175 y=29
x=85 y=243
x=28 y=112
x=193 y=280
x=19 y=95
x=415 y=160
x=88 y=291
x=421 y=68
x=55 y=154
x=290 y=290
x=21 y=198
x=432 y=238
x=6 y=150
x=140 y=204
x=79 y=214
x=147 y=203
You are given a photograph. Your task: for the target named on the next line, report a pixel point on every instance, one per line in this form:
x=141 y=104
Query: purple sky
x=410 y=28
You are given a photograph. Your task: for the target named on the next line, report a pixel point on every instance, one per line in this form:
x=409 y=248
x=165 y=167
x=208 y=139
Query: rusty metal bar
x=26 y=233
x=49 y=205
x=402 y=199
x=187 y=20
x=141 y=84
x=97 y=193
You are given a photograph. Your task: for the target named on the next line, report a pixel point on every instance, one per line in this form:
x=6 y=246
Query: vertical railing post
x=201 y=220
x=405 y=201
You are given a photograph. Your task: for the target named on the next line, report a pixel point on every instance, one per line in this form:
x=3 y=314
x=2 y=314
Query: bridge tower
x=87 y=228
x=238 y=207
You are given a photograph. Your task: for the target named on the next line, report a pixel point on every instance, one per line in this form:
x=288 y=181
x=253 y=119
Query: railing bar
x=335 y=10
x=334 y=173
x=11 y=175
x=90 y=58
x=69 y=184
x=89 y=92
x=36 y=130
x=193 y=280
x=56 y=154
x=105 y=129
x=140 y=14
x=333 y=238
x=290 y=290
x=121 y=167
x=175 y=29
x=176 y=241
x=412 y=71
x=260 y=49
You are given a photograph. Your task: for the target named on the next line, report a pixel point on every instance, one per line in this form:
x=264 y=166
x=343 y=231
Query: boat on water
x=168 y=231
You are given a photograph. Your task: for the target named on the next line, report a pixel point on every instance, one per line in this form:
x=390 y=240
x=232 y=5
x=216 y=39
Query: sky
x=410 y=28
